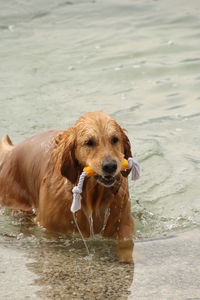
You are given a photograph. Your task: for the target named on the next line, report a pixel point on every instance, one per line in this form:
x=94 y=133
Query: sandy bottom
x=168 y=268
x=164 y=269
x=17 y=282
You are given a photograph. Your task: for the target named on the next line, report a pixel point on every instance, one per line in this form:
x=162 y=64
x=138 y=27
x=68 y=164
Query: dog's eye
x=114 y=140
x=90 y=143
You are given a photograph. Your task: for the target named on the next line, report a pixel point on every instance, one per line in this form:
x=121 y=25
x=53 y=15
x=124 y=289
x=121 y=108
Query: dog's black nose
x=109 y=166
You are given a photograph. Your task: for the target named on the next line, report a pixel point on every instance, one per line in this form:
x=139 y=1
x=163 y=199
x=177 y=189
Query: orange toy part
x=124 y=164
x=90 y=172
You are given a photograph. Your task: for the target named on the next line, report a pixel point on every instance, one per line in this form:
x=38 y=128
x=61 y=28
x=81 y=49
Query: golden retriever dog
x=41 y=172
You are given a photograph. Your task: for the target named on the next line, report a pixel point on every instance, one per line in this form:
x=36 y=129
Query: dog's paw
x=125 y=251
x=126 y=257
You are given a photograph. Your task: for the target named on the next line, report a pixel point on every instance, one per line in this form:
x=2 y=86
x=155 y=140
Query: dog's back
x=22 y=168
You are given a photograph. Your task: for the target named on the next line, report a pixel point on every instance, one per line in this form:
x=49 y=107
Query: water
x=81 y=235
x=136 y=60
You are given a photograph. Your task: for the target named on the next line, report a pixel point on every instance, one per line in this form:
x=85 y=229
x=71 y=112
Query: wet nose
x=109 y=166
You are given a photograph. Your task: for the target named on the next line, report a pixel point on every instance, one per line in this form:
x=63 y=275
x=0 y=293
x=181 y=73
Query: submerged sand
x=168 y=268
x=165 y=268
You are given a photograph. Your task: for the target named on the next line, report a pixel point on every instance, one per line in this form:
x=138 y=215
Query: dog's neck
x=96 y=197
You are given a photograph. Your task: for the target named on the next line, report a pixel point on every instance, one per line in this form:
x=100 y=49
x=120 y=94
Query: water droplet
x=106 y=216
x=34 y=211
x=91 y=226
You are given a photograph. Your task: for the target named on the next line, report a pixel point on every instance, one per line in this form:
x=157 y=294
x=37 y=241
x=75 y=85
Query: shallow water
x=136 y=60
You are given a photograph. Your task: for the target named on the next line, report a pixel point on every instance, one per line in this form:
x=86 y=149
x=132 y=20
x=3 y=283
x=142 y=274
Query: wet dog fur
x=40 y=173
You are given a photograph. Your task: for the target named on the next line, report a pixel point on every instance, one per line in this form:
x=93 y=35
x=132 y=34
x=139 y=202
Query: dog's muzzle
x=106 y=180
x=109 y=167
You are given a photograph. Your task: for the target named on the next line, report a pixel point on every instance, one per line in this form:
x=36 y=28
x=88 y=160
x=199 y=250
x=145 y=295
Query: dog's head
x=97 y=141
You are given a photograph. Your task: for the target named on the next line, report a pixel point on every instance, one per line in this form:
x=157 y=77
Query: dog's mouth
x=105 y=180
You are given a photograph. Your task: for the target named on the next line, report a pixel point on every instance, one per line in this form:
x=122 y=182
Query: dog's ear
x=126 y=144
x=127 y=150
x=69 y=164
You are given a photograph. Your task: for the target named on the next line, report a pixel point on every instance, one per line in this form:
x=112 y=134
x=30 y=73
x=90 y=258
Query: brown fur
x=41 y=172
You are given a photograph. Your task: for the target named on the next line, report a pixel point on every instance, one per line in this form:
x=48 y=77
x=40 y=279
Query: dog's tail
x=5 y=146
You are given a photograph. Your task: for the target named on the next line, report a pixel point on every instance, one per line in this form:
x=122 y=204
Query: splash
x=105 y=221
x=91 y=226
x=85 y=244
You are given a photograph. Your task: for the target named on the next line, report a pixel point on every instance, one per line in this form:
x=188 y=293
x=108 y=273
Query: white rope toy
x=131 y=164
x=77 y=190
x=134 y=167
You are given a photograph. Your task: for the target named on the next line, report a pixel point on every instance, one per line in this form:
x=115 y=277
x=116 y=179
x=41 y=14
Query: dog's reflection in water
x=66 y=271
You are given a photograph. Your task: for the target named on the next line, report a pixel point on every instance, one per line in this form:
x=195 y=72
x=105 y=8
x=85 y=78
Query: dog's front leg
x=125 y=235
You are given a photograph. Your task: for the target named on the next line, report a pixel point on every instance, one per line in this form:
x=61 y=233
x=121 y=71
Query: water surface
x=136 y=60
